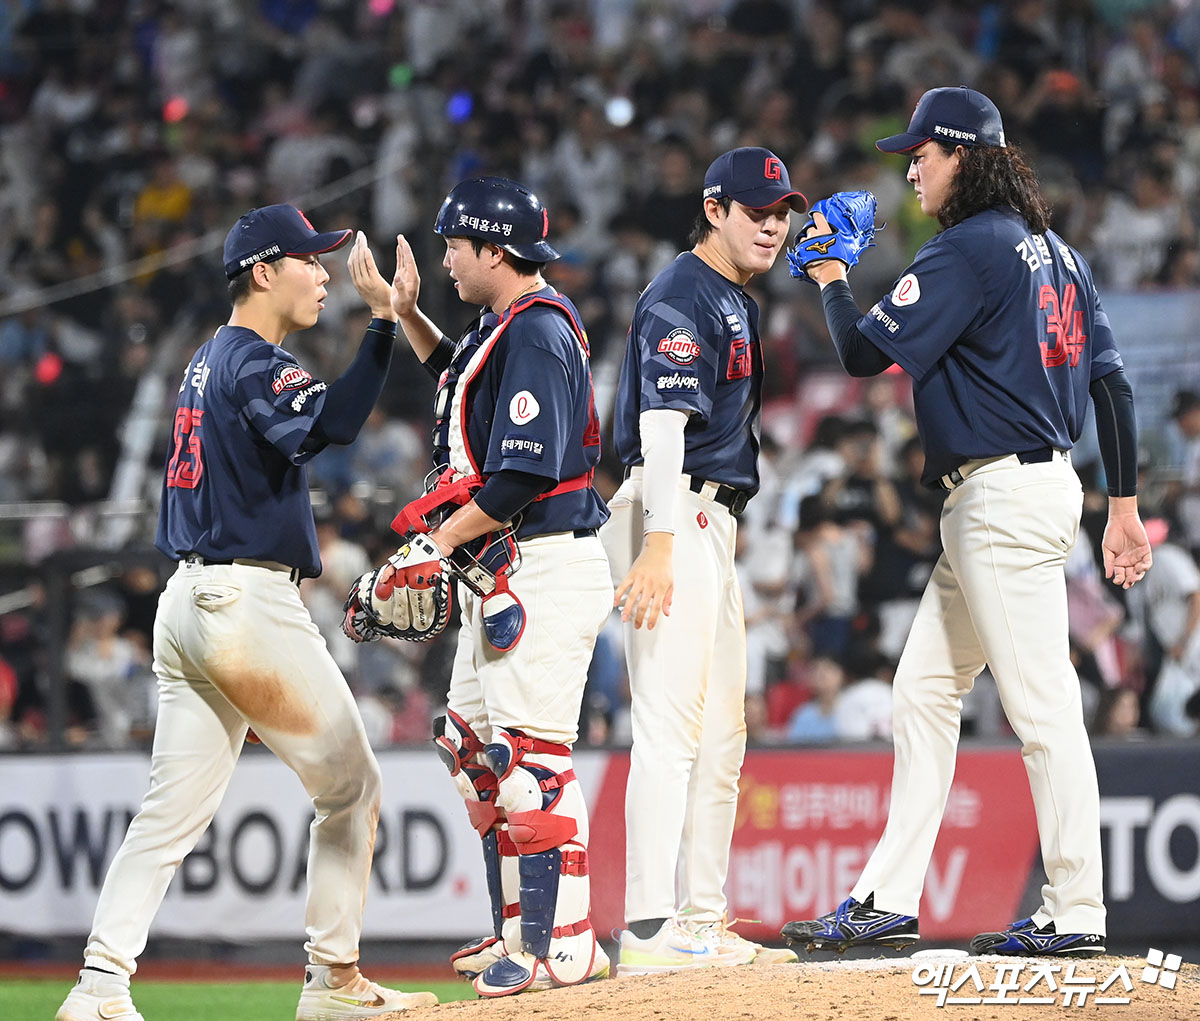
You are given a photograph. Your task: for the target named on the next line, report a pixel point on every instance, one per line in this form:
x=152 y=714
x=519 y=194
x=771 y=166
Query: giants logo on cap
x=679 y=346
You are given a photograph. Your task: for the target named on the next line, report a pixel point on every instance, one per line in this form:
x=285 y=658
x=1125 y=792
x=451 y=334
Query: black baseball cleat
x=1023 y=939
x=854 y=925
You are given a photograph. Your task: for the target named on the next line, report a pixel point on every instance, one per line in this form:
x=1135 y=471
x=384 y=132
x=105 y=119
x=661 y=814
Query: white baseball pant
x=234 y=647
x=997 y=596
x=687 y=680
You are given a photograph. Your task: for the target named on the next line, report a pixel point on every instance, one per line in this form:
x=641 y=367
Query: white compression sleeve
x=662 y=452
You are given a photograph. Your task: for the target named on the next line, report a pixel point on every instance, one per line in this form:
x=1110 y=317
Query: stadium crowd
x=133 y=133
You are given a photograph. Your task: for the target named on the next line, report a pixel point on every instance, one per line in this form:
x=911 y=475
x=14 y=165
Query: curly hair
x=988 y=177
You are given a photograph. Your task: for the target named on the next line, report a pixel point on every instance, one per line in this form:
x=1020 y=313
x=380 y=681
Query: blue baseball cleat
x=854 y=925
x=1023 y=939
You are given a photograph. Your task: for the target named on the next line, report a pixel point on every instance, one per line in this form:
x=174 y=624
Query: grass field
x=38 y=999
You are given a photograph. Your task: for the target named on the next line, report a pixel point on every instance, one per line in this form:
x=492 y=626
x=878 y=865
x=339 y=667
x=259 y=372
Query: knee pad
x=460 y=751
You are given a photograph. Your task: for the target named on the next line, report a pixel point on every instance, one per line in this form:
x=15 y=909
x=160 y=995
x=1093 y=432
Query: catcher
x=999 y=324
x=516 y=443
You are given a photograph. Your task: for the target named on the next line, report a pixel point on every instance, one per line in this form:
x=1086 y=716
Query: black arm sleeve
x=1116 y=431
x=507 y=492
x=353 y=394
x=859 y=356
x=439 y=358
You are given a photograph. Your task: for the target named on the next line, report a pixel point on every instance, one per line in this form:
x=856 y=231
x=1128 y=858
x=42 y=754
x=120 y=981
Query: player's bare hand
x=1126 y=548
x=367 y=279
x=647 y=590
x=406 y=284
x=817 y=226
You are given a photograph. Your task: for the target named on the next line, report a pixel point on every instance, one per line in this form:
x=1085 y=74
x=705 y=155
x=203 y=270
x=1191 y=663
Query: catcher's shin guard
x=547 y=819
x=460 y=749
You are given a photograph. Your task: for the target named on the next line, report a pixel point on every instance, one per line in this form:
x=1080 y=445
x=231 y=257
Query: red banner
x=808 y=820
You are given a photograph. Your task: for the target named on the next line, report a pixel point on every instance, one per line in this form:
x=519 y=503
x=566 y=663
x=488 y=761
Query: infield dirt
x=836 y=991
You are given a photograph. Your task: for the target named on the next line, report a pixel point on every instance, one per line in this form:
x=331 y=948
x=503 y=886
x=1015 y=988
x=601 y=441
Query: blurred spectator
x=343 y=562
x=1183 y=464
x=1170 y=607
x=1118 y=714
x=815 y=721
x=667 y=210
x=112 y=672
x=829 y=560
x=863 y=711
x=1093 y=614
x=1136 y=230
x=905 y=552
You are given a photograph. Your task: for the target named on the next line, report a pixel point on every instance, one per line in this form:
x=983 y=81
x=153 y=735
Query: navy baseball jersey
x=694 y=346
x=235 y=484
x=531 y=409
x=1003 y=333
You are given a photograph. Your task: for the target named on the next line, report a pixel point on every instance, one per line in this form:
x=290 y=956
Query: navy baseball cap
x=753 y=176
x=271 y=232
x=955 y=114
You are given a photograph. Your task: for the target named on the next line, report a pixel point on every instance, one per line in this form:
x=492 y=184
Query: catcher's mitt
x=840 y=227
x=407 y=598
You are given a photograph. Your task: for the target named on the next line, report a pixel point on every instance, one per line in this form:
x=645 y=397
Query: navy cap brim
x=760 y=198
x=538 y=251
x=901 y=143
x=326 y=242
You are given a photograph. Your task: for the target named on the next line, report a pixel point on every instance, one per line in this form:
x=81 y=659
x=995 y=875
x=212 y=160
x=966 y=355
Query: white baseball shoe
x=734 y=948
x=99 y=996
x=670 y=949
x=358 y=998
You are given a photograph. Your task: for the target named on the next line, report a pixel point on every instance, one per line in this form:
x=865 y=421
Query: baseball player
x=686 y=428
x=234 y=646
x=516 y=444
x=998 y=322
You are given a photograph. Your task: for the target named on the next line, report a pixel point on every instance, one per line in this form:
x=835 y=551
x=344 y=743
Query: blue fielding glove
x=850 y=216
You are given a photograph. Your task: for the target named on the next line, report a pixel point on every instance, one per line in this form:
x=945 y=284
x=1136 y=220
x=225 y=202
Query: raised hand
x=368 y=281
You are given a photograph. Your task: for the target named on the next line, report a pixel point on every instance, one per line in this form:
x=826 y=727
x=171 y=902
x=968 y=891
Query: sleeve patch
x=892 y=324
x=299 y=400
x=289 y=377
x=522 y=446
x=523 y=408
x=678 y=382
x=907 y=290
x=680 y=347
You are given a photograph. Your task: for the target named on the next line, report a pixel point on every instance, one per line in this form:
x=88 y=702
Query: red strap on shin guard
x=575 y=863
x=574 y=929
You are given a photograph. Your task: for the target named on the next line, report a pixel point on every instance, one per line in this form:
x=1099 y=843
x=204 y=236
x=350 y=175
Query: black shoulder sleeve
x=858 y=354
x=439 y=358
x=507 y=492
x=1116 y=432
x=353 y=394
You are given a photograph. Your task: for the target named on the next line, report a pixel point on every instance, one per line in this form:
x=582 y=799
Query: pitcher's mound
x=885 y=990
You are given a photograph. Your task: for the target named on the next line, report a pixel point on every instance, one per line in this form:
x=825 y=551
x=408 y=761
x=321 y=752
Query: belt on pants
x=196 y=560
x=954 y=479
x=727 y=496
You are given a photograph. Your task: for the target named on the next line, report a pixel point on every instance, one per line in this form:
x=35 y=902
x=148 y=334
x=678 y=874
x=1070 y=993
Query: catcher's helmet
x=500 y=211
